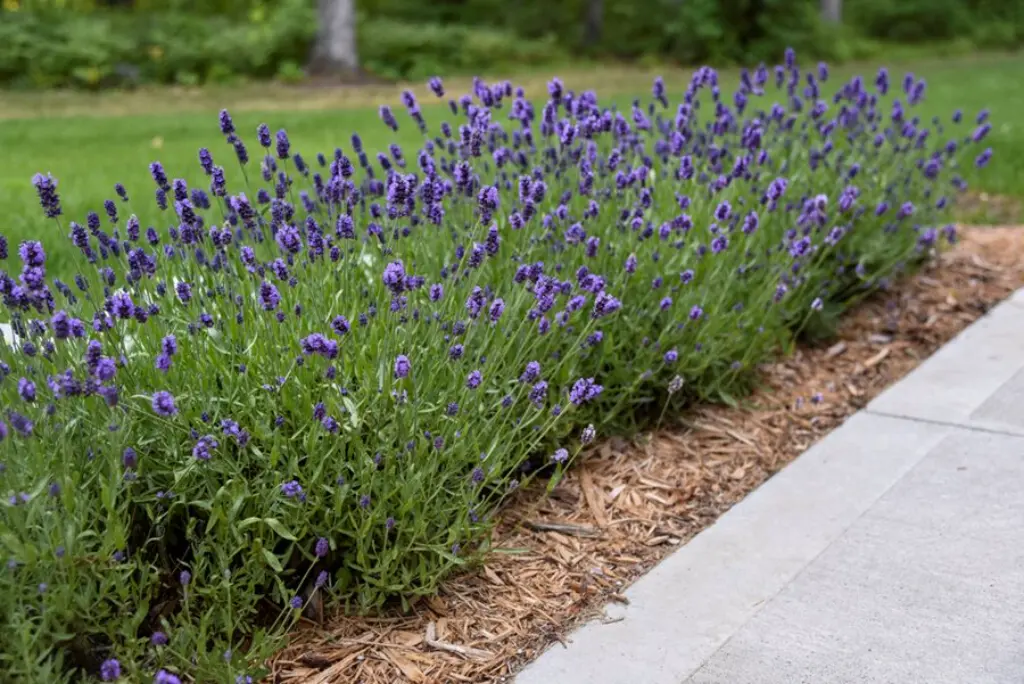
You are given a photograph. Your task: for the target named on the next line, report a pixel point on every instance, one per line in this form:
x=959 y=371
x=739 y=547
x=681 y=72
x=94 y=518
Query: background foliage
x=91 y=43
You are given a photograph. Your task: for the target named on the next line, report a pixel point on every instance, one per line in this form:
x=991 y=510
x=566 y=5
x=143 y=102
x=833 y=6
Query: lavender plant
x=315 y=382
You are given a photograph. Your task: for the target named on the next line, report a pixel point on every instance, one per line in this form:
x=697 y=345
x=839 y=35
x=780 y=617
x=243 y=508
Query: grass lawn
x=91 y=141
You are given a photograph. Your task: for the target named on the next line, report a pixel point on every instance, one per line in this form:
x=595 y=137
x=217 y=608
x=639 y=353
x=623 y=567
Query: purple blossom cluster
x=324 y=375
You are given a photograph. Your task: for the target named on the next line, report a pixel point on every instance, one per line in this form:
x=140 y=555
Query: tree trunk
x=335 y=50
x=832 y=11
x=592 y=24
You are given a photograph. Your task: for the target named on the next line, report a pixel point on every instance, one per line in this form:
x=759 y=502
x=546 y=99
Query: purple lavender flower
x=46 y=188
x=584 y=390
x=296 y=602
x=269 y=296
x=531 y=373
x=560 y=456
x=394 y=277
x=263 y=135
x=32 y=254
x=129 y=458
x=26 y=389
x=723 y=211
x=474 y=379
x=288 y=239
x=205 y=161
x=110 y=670
x=202 y=450
x=227 y=126
x=588 y=435
x=283 y=145
x=436 y=86
x=340 y=325
x=163 y=404
x=241 y=152
x=497 y=308
x=165 y=677
x=402 y=366
x=105 y=369
x=184 y=292
x=605 y=304
x=159 y=638
x=156 y=170
x=696 y=313
x=293 y=490
x=388 y=118
x=322 y=547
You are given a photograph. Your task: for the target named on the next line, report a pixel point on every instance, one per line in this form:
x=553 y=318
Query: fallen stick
x=465 y=651
x=563 y=528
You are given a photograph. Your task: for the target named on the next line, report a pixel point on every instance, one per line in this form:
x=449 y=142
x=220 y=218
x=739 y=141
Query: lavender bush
x=315 y=382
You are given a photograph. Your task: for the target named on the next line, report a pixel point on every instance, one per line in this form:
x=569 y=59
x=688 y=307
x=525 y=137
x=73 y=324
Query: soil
x=626 y=505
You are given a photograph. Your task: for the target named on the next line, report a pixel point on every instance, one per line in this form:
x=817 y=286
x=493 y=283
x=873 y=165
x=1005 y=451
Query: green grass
x=89 y=141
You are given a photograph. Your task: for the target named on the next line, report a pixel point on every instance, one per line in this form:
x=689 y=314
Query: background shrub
x=405 y=50
x=85 y=43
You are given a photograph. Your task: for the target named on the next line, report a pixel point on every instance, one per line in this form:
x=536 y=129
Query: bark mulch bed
x=624 y=506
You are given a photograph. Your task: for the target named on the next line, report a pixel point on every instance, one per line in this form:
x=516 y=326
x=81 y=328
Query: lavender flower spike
x=46 y=188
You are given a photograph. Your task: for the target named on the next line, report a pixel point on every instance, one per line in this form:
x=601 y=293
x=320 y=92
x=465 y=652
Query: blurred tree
x=832 y=11
x=592 y=23
x=335 y=49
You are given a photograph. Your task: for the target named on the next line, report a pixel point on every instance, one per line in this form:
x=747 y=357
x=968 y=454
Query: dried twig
x=464 y=651
x=877 y=358
x=563 y=528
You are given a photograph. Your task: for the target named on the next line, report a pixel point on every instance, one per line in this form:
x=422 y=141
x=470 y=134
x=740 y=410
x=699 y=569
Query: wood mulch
x=624 y=506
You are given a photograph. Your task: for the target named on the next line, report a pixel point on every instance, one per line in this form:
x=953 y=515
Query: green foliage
x=986 y=23
x=400 y=50
x=86 y=43
x=102 y=49
x=724 y=31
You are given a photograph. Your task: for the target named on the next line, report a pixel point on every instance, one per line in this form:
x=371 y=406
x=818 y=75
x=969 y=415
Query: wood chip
x=409 y=669
x=334 y=670
x=594 y=498
x=835 y=350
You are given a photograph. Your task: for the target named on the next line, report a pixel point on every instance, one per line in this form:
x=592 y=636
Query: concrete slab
x=972 y=486
x=977 y=380
x=916 y=591
x=690 y=604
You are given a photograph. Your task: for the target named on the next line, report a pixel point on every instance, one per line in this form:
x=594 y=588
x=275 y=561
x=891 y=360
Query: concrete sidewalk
x=890 y=552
